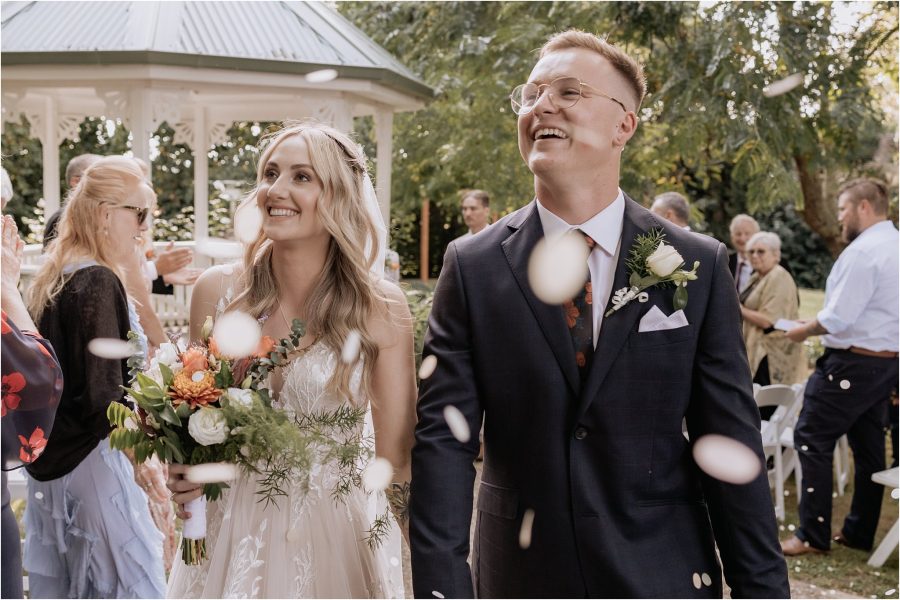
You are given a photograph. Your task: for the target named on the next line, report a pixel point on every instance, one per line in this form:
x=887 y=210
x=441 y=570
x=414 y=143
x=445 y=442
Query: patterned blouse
x=32 y=384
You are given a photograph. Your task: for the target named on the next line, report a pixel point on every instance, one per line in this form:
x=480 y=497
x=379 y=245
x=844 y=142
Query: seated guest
x=89 y=533
x=771 y=294
x=32 y=384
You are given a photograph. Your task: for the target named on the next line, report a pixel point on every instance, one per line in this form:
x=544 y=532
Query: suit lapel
x=517 y=248
x=616 y=328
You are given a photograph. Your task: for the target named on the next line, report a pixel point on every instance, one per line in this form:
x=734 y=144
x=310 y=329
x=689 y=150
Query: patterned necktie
x=579 y=318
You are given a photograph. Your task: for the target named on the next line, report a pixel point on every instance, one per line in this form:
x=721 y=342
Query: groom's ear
x=625 y=129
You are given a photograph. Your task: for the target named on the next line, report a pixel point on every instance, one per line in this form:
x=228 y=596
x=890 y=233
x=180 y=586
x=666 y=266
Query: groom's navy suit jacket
x=620 y=507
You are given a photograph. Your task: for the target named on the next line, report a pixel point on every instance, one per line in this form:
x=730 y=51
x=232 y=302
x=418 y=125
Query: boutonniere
x=653 y=262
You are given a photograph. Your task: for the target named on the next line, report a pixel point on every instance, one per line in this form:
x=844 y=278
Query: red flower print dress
x=31 y=386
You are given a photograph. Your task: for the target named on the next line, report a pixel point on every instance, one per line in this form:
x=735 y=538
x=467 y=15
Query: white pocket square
x=656 y=320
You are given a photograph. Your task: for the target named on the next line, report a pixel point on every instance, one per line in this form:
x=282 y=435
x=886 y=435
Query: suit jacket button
x=580 y=433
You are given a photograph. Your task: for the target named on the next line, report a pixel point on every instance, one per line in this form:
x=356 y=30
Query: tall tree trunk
x=819 y=211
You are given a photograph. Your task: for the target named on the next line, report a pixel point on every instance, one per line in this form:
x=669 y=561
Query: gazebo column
x=200 y=146
x=48 y=135
x=141 y=123
x=384 y=127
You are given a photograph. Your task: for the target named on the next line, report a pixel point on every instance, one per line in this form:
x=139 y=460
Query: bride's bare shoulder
x=393 y=317
x=216 y=279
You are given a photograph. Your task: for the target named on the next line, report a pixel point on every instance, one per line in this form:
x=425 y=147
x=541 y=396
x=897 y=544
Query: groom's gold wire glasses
x=564 y=93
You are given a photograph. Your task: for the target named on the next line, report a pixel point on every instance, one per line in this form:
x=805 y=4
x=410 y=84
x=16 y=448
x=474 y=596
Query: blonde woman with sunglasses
x=89 y=533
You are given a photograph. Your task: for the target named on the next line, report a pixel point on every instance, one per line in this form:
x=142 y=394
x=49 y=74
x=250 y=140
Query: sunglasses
x=142 y=213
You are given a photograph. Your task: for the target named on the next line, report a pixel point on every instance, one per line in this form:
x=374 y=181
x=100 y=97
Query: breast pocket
x=649 y=339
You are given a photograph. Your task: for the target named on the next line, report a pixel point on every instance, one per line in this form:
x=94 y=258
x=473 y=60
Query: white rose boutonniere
x=208 y=426
x=653 y=262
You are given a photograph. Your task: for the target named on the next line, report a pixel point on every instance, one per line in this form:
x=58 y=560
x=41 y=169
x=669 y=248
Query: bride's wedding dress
x=309 y=545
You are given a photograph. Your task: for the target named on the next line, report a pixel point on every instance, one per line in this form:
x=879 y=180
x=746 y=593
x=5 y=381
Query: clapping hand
x=13 y=247
x=173 y=259
x=184 y=276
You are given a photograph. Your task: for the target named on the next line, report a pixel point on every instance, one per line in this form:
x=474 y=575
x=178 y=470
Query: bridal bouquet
x=199 y=406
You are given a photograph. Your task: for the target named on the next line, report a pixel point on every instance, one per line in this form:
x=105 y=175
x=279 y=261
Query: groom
x=583 y=434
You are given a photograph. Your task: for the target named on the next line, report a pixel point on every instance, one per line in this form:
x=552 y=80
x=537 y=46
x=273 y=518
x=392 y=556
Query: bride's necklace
x=291 y=328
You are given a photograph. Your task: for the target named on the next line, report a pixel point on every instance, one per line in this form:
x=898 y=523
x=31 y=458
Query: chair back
x=784 y=397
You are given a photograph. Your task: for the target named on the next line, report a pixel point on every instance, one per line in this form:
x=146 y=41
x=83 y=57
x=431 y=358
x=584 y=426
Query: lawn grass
x=811 y=302
x=843 y=570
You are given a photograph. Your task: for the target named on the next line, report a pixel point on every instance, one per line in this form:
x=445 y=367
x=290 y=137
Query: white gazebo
x=199 y=66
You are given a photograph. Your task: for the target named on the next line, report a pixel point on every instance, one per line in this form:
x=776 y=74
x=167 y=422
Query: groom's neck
x=576 y=203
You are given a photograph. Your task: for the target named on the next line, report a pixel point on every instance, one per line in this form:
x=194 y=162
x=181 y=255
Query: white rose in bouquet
x=208 y=426
x=664 y=260
x=167 y=354
x=240 y=397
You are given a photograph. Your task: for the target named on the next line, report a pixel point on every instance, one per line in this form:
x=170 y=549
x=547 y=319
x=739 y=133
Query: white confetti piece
x=810 y=490
x=321 y=76
x=830 y=377
x=791 y=527
x=845 y=384
x=197 y=377
x=804 y=447
x=783 y=86
x=726 y=459
x=787 y=492
x=395 y=562
x=378 y=475
x=437 y=594
x=695 y=578
x=781 y=528
x=39 y=495
x=457 y=424
x=890 y=592
x=820 y=519
x=525 y=529
x=237 y=334
x=706 y=579
x=350 y=350
x=895 y=493
x=111 y=348
x=429 y=364
x=558 y=269
x=248 y=221
x=797 y=569
x=211 y=473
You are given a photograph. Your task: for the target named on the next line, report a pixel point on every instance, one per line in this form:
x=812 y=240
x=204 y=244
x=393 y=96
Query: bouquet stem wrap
x=193 y=538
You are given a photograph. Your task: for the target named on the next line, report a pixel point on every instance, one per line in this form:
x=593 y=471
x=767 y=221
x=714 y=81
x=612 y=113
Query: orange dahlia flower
x=195 y=393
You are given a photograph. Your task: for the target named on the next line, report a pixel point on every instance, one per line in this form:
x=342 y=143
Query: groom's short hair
x=628 y=67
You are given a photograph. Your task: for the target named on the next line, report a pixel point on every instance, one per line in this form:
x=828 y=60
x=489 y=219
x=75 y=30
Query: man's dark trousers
x=847 y=393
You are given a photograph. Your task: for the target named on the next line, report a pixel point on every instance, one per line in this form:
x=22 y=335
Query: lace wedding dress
x=309 y=545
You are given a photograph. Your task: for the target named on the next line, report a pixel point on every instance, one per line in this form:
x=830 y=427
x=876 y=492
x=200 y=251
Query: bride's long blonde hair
x=82 y=235
x=346 y=295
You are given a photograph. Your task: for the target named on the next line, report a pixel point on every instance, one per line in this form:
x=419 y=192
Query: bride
x=315 y=259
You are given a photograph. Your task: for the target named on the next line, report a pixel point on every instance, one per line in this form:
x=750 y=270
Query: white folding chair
x=889 y=478
x=784 y=398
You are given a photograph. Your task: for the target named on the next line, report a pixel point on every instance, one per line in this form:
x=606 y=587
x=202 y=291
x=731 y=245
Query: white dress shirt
x=742 y=273
x=605 y=228
x=861 y=293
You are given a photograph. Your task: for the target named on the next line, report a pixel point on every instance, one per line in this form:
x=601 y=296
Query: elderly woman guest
x=89 y=533
x=771 y=294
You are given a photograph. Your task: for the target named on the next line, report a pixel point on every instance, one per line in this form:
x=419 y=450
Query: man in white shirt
x=673 y=207
x=850 y=389
x=742 y=228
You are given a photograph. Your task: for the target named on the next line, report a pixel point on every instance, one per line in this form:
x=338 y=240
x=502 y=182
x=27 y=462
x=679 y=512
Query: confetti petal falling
x=248 y=221
x=525 y=529
x=429 y=364
x=437 y=594
x=457 y=424
x=726 y=459
x=558 y=269
x=783 y=86
x=845 y=384
x=237 y=334
x=695 y=578
x=350 y=351
x=211 y=473
x=321 y=76
x=378 y=475
x=895 y=493
x=706 y=579
x=111 y=348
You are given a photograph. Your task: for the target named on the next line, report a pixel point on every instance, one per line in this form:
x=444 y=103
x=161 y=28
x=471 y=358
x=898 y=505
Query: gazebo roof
x=274 y=37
